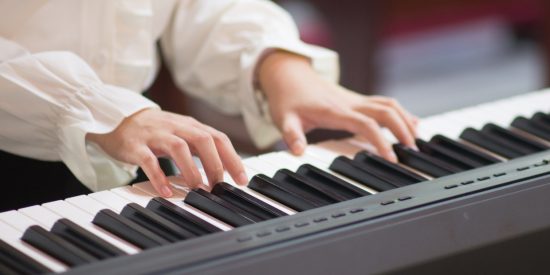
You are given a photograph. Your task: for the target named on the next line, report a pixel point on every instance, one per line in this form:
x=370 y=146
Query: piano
x=475 y=197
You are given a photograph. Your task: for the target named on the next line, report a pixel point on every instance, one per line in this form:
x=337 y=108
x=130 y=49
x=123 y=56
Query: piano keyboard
x=460 y=152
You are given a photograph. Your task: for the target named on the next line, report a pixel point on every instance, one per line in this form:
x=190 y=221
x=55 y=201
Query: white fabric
x=71 y=67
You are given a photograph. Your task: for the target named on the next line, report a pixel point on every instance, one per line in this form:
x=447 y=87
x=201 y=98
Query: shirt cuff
x=97 y=109
x=255 y=106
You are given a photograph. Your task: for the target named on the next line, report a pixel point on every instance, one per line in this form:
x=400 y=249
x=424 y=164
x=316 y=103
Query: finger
x=368 y=128
x=203 y=143
x=179 y=152
x=293 y=134
x=230 y=159
x=411 y=120
x=150 y=166
x=390 y=118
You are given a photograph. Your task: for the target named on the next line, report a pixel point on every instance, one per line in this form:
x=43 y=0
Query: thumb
x=293 y=134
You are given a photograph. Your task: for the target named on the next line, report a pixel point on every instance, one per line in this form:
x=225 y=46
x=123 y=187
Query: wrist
x=278 y=68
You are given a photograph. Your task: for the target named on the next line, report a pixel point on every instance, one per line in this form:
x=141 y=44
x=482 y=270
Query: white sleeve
x=50 y=100
x=213 y=46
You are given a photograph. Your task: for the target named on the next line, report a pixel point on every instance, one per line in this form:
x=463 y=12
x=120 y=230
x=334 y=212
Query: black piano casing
x=497 y=225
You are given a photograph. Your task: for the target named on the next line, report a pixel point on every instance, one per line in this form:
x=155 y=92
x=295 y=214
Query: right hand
x=150 y=133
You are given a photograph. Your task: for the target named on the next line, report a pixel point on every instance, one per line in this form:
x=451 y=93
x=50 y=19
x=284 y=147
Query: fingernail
x=393 y=157
x=298 y=146
x=166 y=192
x=242 y=178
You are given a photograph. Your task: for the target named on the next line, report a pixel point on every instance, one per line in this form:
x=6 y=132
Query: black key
x=246 y=201
x=155 y=223
x=542 y=118
x=352 y=170
x=15 y=262
x=443 y=154
x=464 y=150
x=490 y=143
x=56 y=246
x=181 y=217
x=219 y=208
x=532 y=127
x=267 y=186
x=85 y=240
x=300 y=186
x=529 y=146
x=391 y=172
x=321 y=177
x=423 y=162
x=128 y=230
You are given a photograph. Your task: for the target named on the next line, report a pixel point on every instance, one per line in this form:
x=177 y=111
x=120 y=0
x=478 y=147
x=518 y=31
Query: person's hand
x=151 y=133
x=300 y=100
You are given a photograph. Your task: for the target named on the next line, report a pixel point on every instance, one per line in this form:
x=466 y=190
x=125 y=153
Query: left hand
x=300 y=100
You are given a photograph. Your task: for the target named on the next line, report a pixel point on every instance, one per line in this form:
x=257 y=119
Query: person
x=72 y=74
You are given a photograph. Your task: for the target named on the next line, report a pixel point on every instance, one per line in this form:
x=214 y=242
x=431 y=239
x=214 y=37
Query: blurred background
x=432 y=55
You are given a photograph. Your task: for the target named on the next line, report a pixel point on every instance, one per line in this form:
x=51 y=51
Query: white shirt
x=71 y=67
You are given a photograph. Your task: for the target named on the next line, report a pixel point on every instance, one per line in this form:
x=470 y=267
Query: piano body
x=474 y=199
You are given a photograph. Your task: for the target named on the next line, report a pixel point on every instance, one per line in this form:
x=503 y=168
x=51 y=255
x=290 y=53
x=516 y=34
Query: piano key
x=281 y=207
x=259 y=166
x=177 y=199
x=480 y=158
x=490 y=143
x=246 y=201
x=422 y=162
x=181 y=217
x=16 y=262
x=275 y=161
x=293 y=163
x=17 y=220
x=527 y=145
x=128 y=230
x=445 y=155
x=219 y=208
x=155 y=223
x=389 y=171
x=85 y=240
x=132 y=194
x=110 y=199
x=41 y=215
x=69 y=211
x=12 y=236
x=265 y=185
x=321 y=177
x=86 y=204
x=305 y=189
x=56 y=246
x=48 y=219
x=542 y=118
x=328 y=150
x=532 y=127
x=350 y=169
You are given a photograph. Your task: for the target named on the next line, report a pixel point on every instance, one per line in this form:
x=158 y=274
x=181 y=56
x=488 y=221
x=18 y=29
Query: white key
x=177 y=199
x=86 y=204
x=329 y=150
x=259 y=167
x=110 y=199
x=17 y=220
x=78 y=216
x=41 y=215
x=133 y=195
x=249 y=174
x=12 y=236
